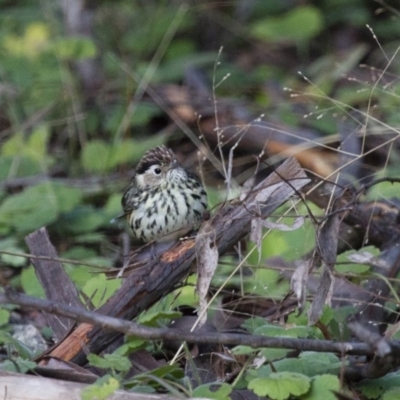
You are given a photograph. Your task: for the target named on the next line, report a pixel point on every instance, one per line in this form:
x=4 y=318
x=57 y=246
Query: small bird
x=163 y=200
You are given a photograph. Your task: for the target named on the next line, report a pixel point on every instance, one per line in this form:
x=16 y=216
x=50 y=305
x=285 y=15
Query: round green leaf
x=213 y=391
x=95 y=156
x=298 y=25
x=393 y=394
x=322 y=387
x=37 y=206
x=76 y=48
x=4 y=316
x=280 y=386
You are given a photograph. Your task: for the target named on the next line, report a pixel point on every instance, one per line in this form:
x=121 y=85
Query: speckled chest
x=168 y=212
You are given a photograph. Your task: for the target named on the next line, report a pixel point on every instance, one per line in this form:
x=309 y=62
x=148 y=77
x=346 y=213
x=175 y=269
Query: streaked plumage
x=164 y=201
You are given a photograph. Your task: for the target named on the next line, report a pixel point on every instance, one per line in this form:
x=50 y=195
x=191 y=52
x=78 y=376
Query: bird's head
x=158 y=167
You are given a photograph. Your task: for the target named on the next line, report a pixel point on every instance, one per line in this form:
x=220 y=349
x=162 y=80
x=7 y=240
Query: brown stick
x=54 y=280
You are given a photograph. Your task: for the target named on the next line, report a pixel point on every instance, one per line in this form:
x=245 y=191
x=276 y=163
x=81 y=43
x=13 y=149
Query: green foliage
x=101 y=389
x=156 y=319
x=74 y=48
x=131 y=345
x=322 y=387
x=298 y=25
x=37 y=206
x=384 y=190
x=10 y=245
x=374 y=388
x=313 y=375
x=99 y=156
x=94 y=156
x=23 y=155
x=159 y=378
x=280 y=386
x=392 y=394
x=213 y=391
x=98 y=288
x=118 y=364
x=110 y=361
x=308 y=363
x=81 y=219
x=30 y=284
x=361 y=260
x=259 y=326
x=15 y=346
x=4 y=316
x=17 y=365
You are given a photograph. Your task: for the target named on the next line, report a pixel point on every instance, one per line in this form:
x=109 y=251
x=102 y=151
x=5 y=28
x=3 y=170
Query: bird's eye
x=157 y=171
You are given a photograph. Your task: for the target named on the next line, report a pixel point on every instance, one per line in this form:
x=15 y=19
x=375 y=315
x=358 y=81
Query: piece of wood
x=54 y=280
x=26 y=387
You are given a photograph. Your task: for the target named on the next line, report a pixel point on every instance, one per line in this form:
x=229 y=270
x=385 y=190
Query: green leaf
x=327 y=315
x=99 y=288
x=30 y=148
x=18 y=166
x=373 y=388
x=10 y=245
x=383 y=190
x=273 y=354
x=29 y=210
x=153 y=318
x=309 y=363
x=213 y=391
x=243 y=350
x=17 y=365
x=81 y=219
x=352 y=268
x=4 y=316
x=173 y=371
x=132 y=344
x=142 y=116
x=95 y=155
x=19 y=347
x=30 y=283
x=165 y=373
x=142 y=389
x=37 y=206
x=322 y=387
x=14 y=145
x=113 y=208
x=283 y=331
x=393 y=394
x=280 y=386
x=67 y=197
x=128 y=151
x=357 y=266
x=298 y=25
x=110 y=361
x=122 y=152
x=36 y=145
x=252 y=324
x=75 y=48
x=101 y=389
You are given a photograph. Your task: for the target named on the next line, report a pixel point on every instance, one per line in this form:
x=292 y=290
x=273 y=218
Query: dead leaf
x=207 y=261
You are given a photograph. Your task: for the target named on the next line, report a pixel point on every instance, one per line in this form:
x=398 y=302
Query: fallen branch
x=132 y=328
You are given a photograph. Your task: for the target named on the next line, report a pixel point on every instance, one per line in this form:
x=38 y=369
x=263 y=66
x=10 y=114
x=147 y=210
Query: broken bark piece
x=54 y=280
